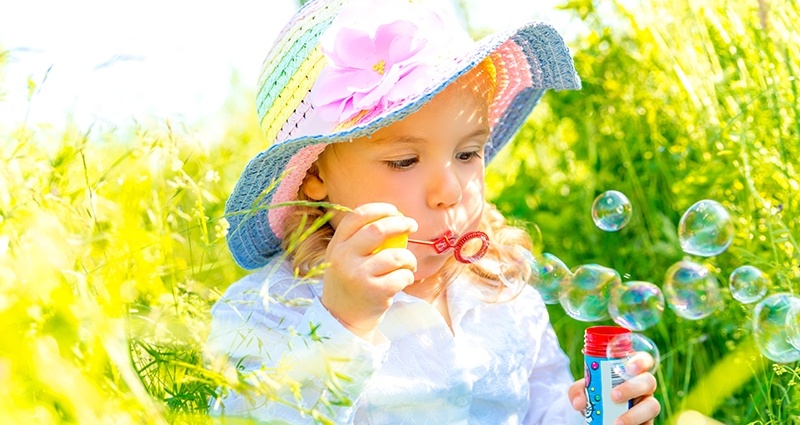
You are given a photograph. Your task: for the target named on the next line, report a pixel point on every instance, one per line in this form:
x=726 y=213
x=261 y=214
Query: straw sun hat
x=341 y=69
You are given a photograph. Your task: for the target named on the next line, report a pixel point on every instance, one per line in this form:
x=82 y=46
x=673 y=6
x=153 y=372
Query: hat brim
x=540 y=49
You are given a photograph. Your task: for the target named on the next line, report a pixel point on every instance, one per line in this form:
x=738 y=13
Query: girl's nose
x=444 y=188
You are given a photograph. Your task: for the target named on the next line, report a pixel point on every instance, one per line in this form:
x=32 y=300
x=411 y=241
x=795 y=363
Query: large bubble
x=611 y=211
x=748 y=284
x=552 y=275
x=691 y=291
x=793 y=326
x=770 y=330
x=706 y=229
x=586 y=297
x=635 y=305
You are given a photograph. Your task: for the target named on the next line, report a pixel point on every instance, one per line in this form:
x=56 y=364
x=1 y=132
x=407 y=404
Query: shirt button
x=462 y=401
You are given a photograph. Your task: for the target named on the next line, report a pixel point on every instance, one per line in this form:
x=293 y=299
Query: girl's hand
x=359 y=283
x=640 y=389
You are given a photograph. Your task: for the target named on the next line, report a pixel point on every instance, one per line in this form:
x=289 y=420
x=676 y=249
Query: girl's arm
x=549 y=384
x=550 y=378
x=300 y=357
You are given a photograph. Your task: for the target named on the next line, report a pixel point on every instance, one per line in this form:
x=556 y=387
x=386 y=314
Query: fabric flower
x=366 y=71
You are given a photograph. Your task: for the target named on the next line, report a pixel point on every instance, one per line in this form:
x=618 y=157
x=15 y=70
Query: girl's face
x=429 y=165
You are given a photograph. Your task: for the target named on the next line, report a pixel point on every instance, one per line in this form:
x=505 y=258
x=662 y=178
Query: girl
x=383 y=114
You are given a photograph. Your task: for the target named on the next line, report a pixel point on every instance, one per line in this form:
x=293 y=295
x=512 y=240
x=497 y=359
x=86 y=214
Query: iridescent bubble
x=770 y=330
x=635 y=305
x=691 y=291
x=586 y=296
x=611 y=210
x=748 y=284
x=706 y=229
x=628 y=347
x=793 y=326
x=511 y=266
x=552 y=275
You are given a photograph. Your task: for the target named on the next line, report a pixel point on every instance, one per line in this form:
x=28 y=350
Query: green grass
x=681 y=102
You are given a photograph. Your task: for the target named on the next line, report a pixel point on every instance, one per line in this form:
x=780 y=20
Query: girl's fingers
x=641 y=361
x=640 y=385
x=360 y=217
x=577 y=395
x=642 y=412
x=390 y=259
x=370 y=225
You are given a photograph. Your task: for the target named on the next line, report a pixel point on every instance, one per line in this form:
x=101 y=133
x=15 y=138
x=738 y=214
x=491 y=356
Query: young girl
x=383 y=114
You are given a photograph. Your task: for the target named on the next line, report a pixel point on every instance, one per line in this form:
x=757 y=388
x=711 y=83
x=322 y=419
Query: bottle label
x=600 y=380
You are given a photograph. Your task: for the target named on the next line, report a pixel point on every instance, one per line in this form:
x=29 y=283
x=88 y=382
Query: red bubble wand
x=449 y=241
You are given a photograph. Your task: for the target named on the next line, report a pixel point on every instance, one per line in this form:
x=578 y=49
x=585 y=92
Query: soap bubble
x=627 y=347
x=611 y=211
x=553 y=275
x=770 y=330
x=706 y=229
x=691 y=291
x=586 y=297
x=793 y=326
x=635 y=305
x=748 y=284
x=510 y=266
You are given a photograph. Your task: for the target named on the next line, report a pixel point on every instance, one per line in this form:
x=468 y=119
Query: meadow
x=112 y=242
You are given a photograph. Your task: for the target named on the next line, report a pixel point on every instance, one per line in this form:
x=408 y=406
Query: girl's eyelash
x=466 y=156
x=402 y=164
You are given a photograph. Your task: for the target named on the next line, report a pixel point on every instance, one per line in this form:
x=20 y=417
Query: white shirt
x=501 y=364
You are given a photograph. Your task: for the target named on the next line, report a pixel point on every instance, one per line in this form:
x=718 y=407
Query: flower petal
x=340 y=84
x=353 y=49
x=388 y=35
x=368 y=99
x=414 y=81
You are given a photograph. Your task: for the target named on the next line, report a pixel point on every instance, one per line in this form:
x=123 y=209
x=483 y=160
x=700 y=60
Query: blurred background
x=124 y=127
x=108 y=64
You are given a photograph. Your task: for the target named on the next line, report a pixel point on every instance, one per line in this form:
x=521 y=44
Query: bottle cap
x=597 y=338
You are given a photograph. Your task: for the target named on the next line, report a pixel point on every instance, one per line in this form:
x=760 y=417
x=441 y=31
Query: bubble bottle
x=600 y=372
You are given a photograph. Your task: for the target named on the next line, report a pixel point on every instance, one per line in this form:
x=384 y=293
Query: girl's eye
x=467 y=156
x=402 y=164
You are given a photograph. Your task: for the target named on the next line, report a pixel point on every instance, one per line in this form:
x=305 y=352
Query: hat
x=342 y=69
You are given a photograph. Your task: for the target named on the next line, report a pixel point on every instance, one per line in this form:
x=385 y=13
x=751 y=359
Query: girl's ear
x=313 y=186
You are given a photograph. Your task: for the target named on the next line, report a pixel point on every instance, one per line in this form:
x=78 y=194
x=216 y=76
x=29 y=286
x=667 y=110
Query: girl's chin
x=429 y=266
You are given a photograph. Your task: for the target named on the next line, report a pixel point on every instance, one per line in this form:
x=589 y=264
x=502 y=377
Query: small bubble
x=705 y=229
x=552 y=276
x=586 y=297
x=611 y=211
x=691 y=291
x=636 y=305
x=748 y=284
x=630 y=346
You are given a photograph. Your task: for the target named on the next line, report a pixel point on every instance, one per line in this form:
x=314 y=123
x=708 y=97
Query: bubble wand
x=449 y=241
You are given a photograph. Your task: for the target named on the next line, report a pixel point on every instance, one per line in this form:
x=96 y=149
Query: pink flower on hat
x=365 y=71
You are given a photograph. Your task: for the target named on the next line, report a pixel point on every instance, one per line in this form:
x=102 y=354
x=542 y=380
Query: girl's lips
x=444 y=242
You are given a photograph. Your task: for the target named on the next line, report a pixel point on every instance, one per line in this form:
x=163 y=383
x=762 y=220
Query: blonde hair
x=307 y=237
x=305 y=245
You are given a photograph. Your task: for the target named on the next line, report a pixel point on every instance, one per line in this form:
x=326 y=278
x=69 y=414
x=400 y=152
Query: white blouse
x=501 y=364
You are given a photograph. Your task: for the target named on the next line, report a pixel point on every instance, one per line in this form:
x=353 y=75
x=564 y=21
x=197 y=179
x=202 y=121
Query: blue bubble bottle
x=600 y=368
